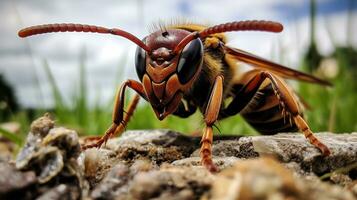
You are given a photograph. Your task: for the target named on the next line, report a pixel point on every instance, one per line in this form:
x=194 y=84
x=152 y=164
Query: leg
x=242 y=96
x=211 y=115
x=290 y=105
x=119 y=121
x=287 y=101
x=130 y=111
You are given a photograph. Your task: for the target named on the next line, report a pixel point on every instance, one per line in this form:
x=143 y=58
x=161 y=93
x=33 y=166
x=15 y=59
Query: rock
x=49 y=153
x=42 y=125
x=167 y=146
x=254 y=179
x=13 y=127
x=353 y=187
x=61 y=192
x=175 y=151
x=170 y=183
x=163 y=164
x=97 y=163
x=221 y=163
x=158 y=146
x=116 y=183
x=265 y=178
x=52 y=152
x=341 y=179
x=14 y=183
x=141 y=181
x=295 y=148
x=232 y=146
x=7 y=147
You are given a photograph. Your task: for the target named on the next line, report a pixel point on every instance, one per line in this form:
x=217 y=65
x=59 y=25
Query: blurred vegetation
x=312 y=57
x=8 y=101
x=95 y=120
x=332 y=108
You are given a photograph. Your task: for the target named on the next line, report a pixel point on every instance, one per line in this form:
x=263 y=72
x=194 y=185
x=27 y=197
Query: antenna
x=49 y=28
x=250 y=25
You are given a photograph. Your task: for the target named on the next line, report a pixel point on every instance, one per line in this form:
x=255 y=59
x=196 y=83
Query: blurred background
x=74 y=76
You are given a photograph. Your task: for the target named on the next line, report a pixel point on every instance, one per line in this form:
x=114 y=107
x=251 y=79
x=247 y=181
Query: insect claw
x=214 y=125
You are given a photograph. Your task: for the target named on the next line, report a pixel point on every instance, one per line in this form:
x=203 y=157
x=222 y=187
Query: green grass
x=77 y=114
x=145 y=118
x=11 y=136
x=94 y=120
x=333 y=109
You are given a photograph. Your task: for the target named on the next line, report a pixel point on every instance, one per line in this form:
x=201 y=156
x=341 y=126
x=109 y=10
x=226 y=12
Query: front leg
x=210 y=117
x=119 y=121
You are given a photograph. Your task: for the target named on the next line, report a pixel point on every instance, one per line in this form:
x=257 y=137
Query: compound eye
x=190 y=60
x=140 y=61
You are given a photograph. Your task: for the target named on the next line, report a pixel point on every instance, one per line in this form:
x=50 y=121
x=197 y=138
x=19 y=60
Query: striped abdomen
x=264 y=113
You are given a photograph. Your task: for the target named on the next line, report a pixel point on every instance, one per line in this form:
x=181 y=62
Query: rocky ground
x=162 y=164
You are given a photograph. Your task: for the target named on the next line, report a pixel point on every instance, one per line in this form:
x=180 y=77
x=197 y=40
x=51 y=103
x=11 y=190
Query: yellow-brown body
x=263 y=112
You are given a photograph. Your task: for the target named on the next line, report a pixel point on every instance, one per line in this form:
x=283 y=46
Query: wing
x=282 y=71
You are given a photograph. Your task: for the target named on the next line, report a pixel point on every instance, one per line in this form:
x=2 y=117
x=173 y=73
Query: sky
x=109 y=57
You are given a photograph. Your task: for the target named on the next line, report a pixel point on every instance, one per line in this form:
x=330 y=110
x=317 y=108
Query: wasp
x=185 y=67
